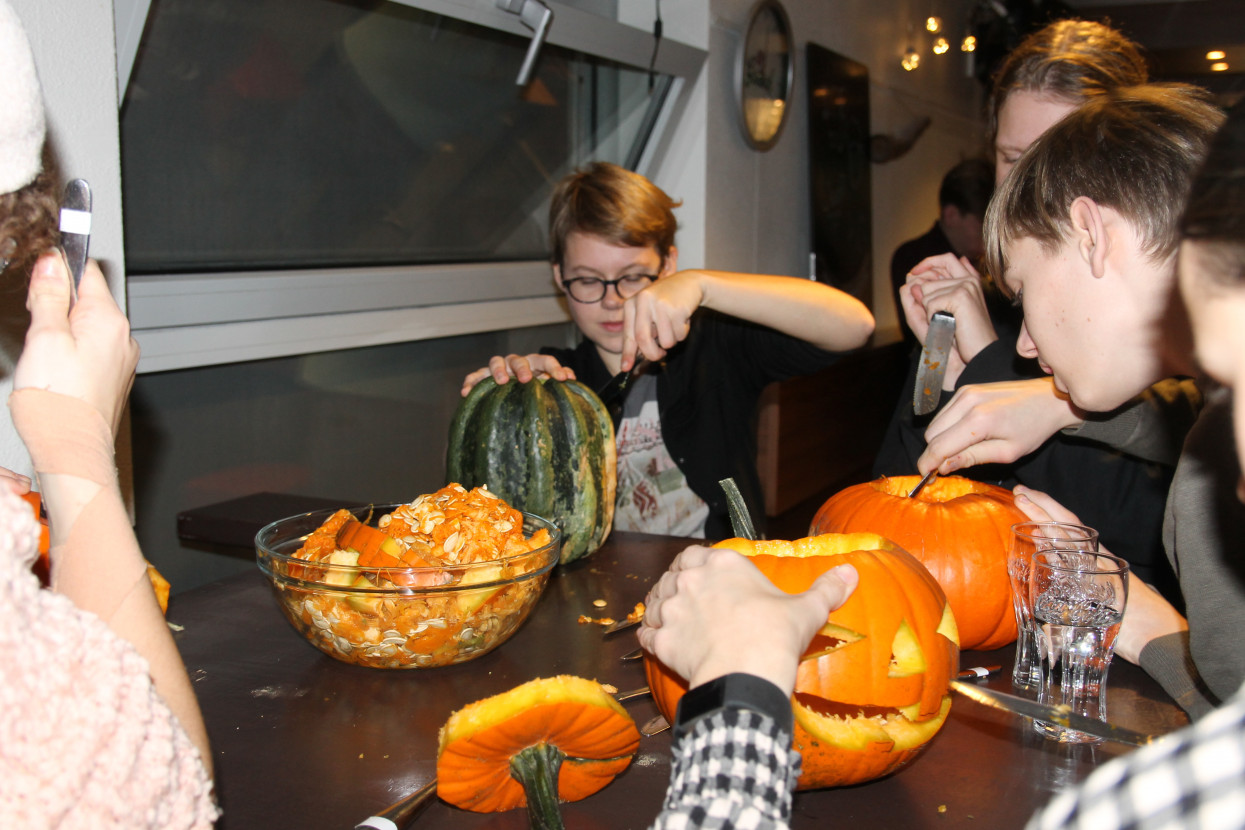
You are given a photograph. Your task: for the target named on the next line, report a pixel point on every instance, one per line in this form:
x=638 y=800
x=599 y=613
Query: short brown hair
x=1214 y=216
x=1133 y=150
x=28 y=220
x=1070 y=60
x=608 y=201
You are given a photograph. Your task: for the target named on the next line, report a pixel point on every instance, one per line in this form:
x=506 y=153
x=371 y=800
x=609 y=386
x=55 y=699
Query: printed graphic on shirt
x=653 y=495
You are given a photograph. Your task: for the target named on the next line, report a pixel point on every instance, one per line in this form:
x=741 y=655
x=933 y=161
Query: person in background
x=99 y=726
x=1120 y=490
x=738 y=750
x=716 y=340
x=962 y=198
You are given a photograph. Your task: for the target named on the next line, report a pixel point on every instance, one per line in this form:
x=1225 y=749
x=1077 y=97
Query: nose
x=1025 y=346
x=612 y=298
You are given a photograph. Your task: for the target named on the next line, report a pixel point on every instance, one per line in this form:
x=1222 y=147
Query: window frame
x=185 y=321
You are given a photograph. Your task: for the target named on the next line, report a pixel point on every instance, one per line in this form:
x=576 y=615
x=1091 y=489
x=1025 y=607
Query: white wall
x=746 y=210
x=73 y=48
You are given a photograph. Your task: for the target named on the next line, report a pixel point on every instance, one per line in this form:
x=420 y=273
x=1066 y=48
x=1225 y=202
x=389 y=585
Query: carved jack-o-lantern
x=873 y=686
x=960 y=529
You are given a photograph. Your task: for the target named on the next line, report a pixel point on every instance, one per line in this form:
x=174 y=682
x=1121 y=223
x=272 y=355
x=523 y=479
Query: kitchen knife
x=938 y=343
x=1058 y=715
x=75 y=227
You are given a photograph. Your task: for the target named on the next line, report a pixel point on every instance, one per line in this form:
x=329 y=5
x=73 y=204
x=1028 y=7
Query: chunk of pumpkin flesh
x=863 y=681
x=840 y=751
x=591 y=729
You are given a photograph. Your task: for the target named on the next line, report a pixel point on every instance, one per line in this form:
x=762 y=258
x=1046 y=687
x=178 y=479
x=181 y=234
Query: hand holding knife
x=75 y=228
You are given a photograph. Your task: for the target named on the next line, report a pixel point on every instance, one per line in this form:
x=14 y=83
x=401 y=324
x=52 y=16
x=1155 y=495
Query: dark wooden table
x=301 y=740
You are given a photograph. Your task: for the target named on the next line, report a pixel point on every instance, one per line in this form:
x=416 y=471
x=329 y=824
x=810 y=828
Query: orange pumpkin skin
x=960 y=529
x=894 y=590
x=596 y=734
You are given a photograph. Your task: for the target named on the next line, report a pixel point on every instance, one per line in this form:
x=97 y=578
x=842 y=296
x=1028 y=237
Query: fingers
x=48 y=296
x=472 y=379
x=16 y=482
x=830 y=590
x=1040 y=507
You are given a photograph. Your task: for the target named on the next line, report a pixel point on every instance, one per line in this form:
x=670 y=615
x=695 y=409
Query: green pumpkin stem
x=741 y=519
x=536 y=768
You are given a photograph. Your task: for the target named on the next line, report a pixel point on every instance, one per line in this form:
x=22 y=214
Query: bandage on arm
x=96 y=561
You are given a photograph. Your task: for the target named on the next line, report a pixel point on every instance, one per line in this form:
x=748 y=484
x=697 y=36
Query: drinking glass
x=1077 y=598
x=1027 y=539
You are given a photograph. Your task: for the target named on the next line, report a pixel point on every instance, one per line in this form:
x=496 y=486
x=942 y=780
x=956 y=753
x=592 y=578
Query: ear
x=672 y=262
x=949 y=214
x=557 y=276
x=1088 y=234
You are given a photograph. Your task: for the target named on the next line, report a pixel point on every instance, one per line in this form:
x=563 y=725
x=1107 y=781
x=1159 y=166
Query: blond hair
x=1133 y=150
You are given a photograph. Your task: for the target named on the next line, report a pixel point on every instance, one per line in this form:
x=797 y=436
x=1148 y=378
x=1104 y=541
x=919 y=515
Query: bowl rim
x=264 y=551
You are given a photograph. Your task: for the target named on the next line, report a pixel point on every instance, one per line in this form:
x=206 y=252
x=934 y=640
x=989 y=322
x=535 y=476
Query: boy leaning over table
x=1084 y=235
x=716 y=340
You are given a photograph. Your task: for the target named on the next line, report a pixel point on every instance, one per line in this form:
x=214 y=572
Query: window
x=290 y=159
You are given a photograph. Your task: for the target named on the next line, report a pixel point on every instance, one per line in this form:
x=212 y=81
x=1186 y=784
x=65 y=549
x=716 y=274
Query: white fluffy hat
x=21 y=106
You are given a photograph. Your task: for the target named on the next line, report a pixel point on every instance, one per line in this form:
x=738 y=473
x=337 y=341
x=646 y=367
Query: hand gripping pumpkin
x=546 y=447
x=960 y=529
x=873 y=686
x=551 y=739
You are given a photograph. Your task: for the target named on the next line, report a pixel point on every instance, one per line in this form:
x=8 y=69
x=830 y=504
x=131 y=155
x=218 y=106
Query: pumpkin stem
x=741 y=519
x=536 y=768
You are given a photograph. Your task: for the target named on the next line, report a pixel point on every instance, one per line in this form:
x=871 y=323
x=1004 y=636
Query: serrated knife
x=75 y=227
x=939 y=341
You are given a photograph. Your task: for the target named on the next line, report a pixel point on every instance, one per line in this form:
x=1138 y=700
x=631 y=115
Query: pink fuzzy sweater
x=85 y=740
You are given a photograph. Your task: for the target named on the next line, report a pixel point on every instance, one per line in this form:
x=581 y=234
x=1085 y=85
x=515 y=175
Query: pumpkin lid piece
x=502 y=752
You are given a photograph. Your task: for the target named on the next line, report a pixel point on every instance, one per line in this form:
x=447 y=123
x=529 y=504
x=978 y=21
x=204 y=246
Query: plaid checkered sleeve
x=734 y=770
x=1193 y=778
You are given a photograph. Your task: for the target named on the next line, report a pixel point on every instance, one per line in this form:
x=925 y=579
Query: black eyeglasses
x=592 y=290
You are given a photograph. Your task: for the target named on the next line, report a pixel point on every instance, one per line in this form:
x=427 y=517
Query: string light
x=911 y=59
x=968 y=44
x=1215 y=55
x=933 y=23
x=1221 y=66
x=941 y=46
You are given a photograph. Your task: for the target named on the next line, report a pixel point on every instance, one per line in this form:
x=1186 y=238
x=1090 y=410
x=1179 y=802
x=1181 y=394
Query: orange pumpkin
x=873 y=686
x=557 y=738
x=960 y=529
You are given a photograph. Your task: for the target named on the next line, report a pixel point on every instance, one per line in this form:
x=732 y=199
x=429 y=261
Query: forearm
x=96 y=561
x=808 y=310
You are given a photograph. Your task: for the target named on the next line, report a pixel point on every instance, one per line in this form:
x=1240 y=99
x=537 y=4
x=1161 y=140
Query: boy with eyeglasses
x=716 y=340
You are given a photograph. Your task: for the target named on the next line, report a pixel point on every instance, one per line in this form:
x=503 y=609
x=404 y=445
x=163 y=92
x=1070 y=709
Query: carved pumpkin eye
x=872 y=686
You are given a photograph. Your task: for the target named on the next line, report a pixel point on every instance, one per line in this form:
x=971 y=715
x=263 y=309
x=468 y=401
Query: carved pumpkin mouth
x=836 y=709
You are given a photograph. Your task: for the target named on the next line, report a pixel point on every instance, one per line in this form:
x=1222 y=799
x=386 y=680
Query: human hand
x=660 y=316
x=1147 y=616
x=702 y=617
x=521 y=367
x=16 y=482
x=85 y=352
x=1040 y=507
x=991 y=423
x=947 y=283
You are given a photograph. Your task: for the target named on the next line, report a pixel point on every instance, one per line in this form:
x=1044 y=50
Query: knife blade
x=933 y=367
x=1059 y=715
x=75 y=228
x=615 y=389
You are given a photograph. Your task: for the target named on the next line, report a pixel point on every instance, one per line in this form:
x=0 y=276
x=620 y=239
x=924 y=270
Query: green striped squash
x=546 y=447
